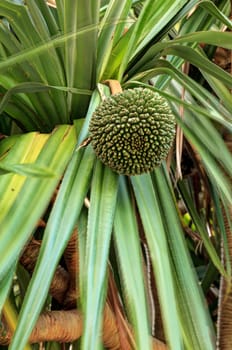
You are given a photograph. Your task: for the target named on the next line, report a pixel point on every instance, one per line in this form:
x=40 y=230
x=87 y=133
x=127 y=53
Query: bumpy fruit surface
x=132 y=132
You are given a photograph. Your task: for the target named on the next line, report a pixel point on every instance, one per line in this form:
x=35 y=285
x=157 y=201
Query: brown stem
x=72 y=264
x=114 y=86
x=30 y=255
x=66 y=326
x=59 y=285
x=125 y=333
x=60 y=326
x=60 y=280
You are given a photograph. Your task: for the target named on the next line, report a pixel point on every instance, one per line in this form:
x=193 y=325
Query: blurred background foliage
x=91 y=259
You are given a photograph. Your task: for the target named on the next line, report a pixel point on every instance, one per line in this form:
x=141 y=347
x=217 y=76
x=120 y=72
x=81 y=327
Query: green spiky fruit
x=132 y=132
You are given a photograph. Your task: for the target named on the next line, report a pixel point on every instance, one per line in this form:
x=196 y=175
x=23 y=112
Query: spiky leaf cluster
x=132 y=132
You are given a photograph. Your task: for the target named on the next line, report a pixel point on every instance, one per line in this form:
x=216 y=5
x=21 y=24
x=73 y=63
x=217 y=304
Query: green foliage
x=53 y=63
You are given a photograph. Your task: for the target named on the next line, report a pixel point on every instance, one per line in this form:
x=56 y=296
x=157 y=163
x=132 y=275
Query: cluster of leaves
x=53 y=62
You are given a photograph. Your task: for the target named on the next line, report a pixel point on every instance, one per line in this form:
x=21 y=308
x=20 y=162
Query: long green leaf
x=100 y=223
x=49 y=15
x=216 y=38
x=211 y=164
x=32 y=87
x=58 y=230
x=126 y=235
x=24 y=199
x=152 y=19
x=80 y=70
x=220 y=89
x=25 y=169
x=47 y=65
x=220 y=225
x=157 y=243
x=6 y=284
x=198 y=60
x=29 y=53
x=196 y=324
x=201 y=229
x=111 y=24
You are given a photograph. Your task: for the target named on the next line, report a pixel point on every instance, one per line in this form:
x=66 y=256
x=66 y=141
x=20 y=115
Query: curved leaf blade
x=195 y=321
x=24 y=199
x=156 y=238
x=129 y=255
x=58 y=230
x=100 y=223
